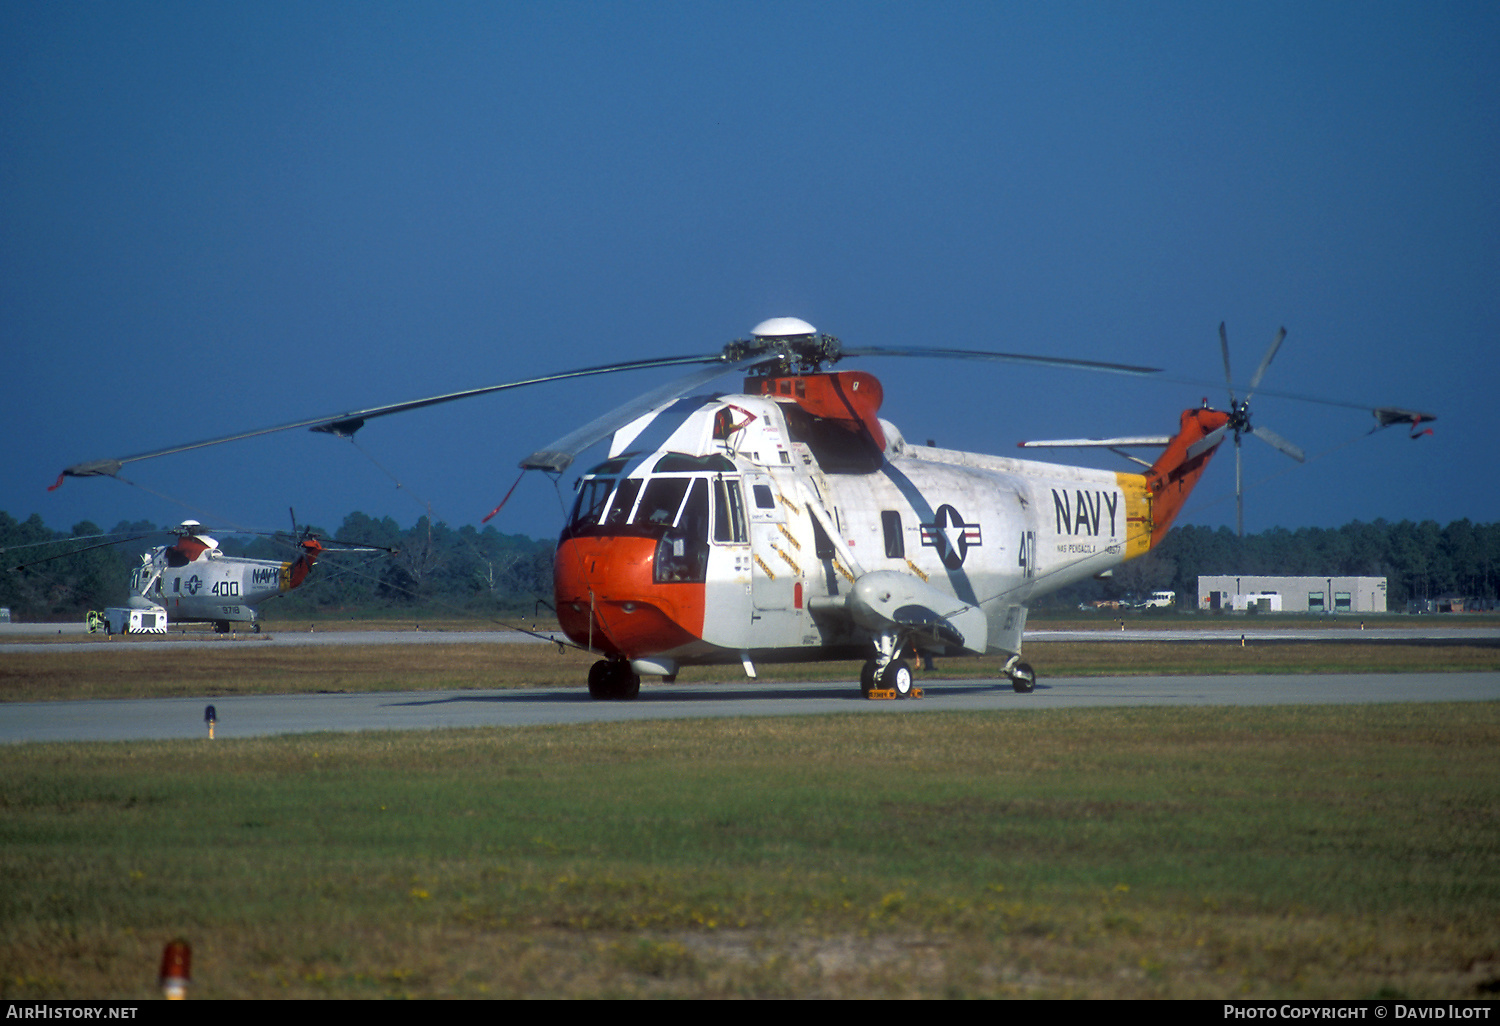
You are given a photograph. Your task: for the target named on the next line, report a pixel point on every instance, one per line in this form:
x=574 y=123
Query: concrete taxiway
x=74 y=638
x=262 y=715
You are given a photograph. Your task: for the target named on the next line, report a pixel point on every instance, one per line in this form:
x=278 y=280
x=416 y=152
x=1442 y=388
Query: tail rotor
x=1239 y=423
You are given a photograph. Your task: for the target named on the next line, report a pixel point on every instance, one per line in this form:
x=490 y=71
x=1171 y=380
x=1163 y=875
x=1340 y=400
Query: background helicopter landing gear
x=613 y=680
x=1023 y=678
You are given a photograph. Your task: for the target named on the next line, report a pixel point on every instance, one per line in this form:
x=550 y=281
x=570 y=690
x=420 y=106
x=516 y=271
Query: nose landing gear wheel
x=613 y=681
x=897 y=677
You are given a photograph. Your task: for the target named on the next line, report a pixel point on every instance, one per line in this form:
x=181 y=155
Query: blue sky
x=221 y=216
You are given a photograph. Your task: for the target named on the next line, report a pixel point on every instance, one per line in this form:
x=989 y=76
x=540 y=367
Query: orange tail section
x=311 y=550
x=1172 y=477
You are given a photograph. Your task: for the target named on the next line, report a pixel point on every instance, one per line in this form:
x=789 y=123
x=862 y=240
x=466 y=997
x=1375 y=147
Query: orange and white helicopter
x=789 y=522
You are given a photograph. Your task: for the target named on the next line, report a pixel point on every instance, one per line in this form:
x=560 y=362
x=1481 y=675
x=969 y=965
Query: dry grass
x=156 y=667
x=254 y=667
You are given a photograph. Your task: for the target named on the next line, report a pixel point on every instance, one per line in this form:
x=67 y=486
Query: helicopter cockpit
x=682 y=502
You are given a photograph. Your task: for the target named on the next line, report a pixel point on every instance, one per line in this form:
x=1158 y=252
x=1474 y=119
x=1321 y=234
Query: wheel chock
x=889 y=694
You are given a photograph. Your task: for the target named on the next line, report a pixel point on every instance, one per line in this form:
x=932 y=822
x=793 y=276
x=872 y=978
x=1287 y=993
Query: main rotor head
x=801 y=348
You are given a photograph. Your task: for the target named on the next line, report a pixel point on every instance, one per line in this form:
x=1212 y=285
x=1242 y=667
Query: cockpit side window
x=592 y=495
x=729 y=511
x=682 y=553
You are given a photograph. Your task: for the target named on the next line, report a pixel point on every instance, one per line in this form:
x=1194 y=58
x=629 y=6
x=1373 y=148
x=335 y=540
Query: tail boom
x=1172 y=477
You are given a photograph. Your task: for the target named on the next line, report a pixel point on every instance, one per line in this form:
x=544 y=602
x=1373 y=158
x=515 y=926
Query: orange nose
x=607 y=598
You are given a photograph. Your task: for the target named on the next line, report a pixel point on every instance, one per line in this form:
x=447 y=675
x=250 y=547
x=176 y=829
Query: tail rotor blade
x=1266 y=362
x=1224 y=348
x=1207 y=442
x=1275 y=441
x=1239 y=490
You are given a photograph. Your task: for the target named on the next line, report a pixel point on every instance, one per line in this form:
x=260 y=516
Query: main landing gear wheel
x=897 y=677
x=1023 y=678
x=867 y=678
x=613 y=680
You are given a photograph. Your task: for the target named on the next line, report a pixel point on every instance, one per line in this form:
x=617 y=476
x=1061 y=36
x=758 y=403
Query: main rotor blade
x=1274 y=440
x=560 y=454
x=345 y=424
x=353 y=546
x=1266 y=362
x=981 y=354
x=1388 y=415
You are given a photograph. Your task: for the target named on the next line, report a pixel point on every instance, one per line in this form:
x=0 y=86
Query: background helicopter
x=789 y=522
x=191 y=580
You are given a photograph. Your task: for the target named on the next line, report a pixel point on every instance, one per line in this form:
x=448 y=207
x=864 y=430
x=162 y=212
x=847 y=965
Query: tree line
x=486 y=572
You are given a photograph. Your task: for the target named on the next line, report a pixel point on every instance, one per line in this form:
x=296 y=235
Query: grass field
x=1345 y=852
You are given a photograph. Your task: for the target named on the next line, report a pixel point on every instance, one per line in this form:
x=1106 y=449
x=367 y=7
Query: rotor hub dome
x=783 y=327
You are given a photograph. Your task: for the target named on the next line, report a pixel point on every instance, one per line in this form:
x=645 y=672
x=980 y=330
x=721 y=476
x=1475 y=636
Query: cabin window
x=895 y=544
x=682 y=463
x=763 y=497
x=822 y=546
x=729 y=511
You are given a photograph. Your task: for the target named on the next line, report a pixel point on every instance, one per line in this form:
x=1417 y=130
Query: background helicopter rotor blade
x=70 y=552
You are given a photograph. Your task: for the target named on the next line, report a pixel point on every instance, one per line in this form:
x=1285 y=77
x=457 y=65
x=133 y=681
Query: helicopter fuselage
x=196 y=583
x=793 y=524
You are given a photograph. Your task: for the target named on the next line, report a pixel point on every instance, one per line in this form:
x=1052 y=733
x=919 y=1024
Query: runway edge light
x=176 y=969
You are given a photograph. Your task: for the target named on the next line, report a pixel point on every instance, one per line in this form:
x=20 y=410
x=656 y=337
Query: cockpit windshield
x=672 y=507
